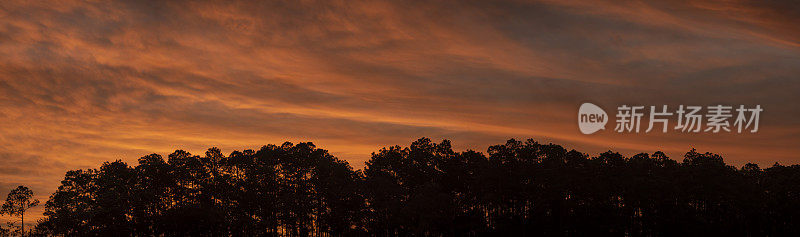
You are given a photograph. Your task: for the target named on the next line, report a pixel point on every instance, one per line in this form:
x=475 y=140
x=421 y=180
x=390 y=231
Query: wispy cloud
x=83 y=82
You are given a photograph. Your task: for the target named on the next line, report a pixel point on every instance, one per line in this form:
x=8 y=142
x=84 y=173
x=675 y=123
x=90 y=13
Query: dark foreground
x=427 y=189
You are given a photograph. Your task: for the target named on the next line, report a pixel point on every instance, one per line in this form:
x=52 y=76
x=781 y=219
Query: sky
x=83 y=82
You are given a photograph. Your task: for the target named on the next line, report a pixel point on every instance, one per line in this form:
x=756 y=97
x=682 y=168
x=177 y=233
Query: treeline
x=426 y=189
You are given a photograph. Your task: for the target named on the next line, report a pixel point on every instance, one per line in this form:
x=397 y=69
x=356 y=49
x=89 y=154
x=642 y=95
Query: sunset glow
x=83 y=82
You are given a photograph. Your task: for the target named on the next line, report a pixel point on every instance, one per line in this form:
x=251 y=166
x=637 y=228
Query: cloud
x=85 y=82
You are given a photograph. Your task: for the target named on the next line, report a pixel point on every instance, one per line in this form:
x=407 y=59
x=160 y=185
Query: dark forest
x=427 y=189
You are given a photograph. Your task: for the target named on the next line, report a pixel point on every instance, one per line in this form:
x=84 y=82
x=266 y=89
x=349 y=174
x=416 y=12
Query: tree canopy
x=425 y=189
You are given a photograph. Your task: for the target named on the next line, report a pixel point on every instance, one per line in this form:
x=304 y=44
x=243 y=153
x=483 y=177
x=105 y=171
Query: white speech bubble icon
x=591 y=118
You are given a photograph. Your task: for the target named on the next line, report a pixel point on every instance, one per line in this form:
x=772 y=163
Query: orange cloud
x=85 y=82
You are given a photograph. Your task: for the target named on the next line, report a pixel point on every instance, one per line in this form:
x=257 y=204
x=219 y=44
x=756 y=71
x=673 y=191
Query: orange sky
x=82 y=82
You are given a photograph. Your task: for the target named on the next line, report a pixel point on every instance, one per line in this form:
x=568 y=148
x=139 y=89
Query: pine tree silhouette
x=427 y=189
